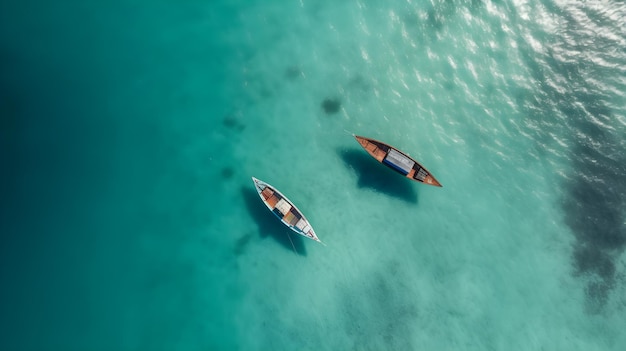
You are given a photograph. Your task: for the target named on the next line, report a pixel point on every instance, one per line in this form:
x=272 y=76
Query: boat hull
x=284 y=209
x=397 y=160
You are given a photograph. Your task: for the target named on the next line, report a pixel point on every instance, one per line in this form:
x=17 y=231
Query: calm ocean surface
x=129 y=131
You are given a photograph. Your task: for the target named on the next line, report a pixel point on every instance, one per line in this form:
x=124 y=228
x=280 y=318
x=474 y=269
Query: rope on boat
x=292 y=245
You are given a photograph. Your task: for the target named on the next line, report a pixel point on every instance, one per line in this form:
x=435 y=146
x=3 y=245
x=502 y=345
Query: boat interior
x=281 y=207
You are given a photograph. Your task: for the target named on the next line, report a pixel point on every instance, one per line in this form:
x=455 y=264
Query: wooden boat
x=284 y=209
x=397 y=160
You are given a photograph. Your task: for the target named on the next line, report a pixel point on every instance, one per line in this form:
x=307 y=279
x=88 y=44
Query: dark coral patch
x=293 y=72
x=231 y=122
x=227 y=172
x=242 y=243
x=331 y=105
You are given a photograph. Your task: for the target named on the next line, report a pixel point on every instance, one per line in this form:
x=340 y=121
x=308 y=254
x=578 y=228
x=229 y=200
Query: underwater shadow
x=271 y=226
x=372 y=174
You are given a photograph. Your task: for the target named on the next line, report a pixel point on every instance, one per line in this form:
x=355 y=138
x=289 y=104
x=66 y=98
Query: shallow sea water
x=130 y=131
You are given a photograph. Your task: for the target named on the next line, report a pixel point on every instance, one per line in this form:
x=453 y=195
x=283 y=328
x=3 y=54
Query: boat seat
x=267 y=192
x=272 y=200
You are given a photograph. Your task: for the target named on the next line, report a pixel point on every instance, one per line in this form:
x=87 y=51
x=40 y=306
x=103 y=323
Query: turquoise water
x=129 y=132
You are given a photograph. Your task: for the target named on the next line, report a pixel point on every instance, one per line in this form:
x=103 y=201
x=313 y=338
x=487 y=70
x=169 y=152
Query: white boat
x=284 y=209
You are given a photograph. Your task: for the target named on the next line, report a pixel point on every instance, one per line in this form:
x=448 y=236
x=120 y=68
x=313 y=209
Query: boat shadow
x=371 y=174
x=271 y=226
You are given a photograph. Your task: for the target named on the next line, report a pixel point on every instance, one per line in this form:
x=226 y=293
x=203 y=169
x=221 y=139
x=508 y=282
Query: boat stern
x=259 y=184
x=363 y=141
x=430 y=180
